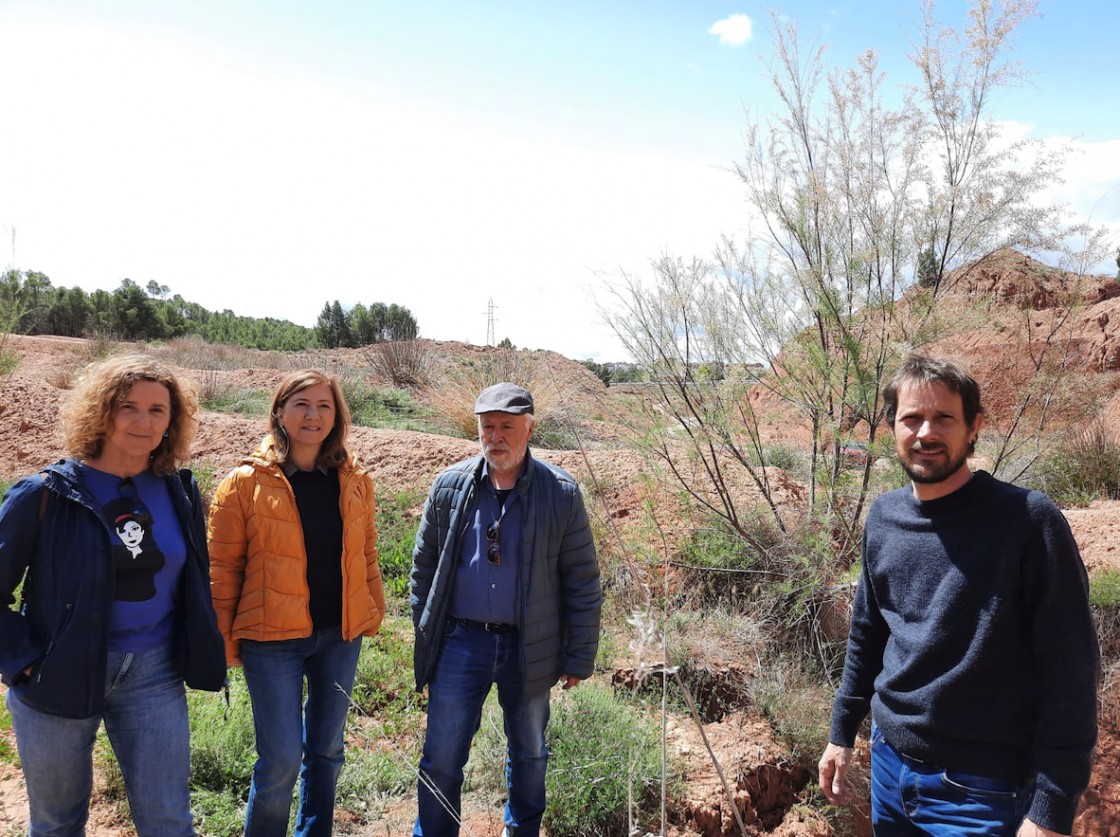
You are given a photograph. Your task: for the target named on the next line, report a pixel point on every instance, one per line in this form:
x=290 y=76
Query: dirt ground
x=766 y=782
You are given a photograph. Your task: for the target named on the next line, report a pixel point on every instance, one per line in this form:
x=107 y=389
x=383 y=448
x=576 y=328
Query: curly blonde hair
x=87 y=414
x=333 y=452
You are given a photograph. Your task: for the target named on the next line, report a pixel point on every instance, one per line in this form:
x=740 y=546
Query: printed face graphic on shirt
x=136 y=555
x=131 y=533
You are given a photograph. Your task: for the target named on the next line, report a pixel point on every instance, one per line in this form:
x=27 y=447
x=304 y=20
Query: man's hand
x=568 y=682
x=1029 y=829
x=833 y=774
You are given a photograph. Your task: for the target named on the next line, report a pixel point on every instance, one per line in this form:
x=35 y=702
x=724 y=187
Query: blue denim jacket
x=61 y=629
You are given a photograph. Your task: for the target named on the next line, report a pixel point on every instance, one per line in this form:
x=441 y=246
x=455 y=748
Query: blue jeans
x=470 y=661
x=910 y=797
x=146 y=719
x=295 y=738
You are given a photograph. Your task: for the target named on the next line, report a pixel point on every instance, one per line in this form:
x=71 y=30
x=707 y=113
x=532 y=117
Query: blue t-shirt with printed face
x=149 y=552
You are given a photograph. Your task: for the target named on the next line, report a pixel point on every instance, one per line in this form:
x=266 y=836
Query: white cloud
x=734 y=30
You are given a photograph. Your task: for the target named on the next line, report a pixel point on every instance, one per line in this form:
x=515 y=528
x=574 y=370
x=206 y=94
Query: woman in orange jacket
x=296 y=585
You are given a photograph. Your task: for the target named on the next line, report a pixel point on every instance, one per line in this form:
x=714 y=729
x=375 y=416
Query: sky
x=478 y=162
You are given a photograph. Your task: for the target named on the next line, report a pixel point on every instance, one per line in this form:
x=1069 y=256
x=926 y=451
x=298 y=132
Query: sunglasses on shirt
x=493 y=536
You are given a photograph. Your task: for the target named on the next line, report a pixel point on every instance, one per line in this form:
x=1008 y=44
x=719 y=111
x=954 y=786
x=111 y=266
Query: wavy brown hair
x=88 y=413
x=333 y=451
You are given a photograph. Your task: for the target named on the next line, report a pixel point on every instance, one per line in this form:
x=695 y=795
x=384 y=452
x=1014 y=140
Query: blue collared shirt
x=487 y=592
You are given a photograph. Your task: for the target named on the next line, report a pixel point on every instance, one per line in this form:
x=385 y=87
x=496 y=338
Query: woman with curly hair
x=296 y=585
x=115 y=611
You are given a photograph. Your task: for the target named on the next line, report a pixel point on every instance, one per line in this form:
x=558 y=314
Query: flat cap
x=504 y=398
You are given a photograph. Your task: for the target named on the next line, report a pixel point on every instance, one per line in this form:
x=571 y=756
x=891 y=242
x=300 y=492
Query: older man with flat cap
x=504 y=589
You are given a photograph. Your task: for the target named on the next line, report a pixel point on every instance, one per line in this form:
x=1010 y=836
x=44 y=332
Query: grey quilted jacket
x=559 y=597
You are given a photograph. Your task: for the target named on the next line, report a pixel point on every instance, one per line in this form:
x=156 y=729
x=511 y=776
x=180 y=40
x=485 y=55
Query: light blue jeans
x=910 y=797
x=470 y=661
x=146 y=719
x=296 y=738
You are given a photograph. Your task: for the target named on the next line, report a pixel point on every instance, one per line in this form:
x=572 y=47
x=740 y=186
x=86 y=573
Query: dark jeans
x=146 y=719
x=297 y=738
x=910 y=797
x=470 y=661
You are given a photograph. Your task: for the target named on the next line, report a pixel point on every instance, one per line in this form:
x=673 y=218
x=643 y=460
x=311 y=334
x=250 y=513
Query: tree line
x=31 y=304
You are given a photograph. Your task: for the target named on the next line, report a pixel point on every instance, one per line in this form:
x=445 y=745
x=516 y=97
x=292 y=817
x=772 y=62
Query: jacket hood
x=64 y=478
x=264 y=455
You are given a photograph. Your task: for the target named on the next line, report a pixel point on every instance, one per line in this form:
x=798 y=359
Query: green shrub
x=720 y=565
x=1081 y=467
x=9 y=359
x=1104 y=589
x=789 y=459
x=555 y=432
x=1104 y=596
x=604 y=756
x=206 y=477
x=218 y=813
x=797 y=706
x=787 y=582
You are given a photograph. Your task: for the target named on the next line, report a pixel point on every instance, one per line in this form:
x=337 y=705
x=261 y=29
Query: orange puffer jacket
x=258 y=564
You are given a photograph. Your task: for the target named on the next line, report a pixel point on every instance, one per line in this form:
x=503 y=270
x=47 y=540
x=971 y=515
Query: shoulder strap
x=44 y=495
x=187 y=478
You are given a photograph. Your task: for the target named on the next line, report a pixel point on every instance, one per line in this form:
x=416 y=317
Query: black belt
x=489 y=627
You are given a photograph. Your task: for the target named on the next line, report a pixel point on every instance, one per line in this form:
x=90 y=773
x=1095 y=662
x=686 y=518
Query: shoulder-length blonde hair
x=87 y=414
x=333 y=452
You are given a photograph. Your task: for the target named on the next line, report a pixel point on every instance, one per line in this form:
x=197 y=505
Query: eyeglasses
x=493 y=553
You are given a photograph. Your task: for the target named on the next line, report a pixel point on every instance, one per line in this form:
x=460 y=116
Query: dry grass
x=407 y=363
x=452 y=394
x=61 y=377
x=193 y=352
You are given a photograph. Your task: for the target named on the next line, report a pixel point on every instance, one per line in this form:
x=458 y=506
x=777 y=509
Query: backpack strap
x=187 y=478
x=43 y=497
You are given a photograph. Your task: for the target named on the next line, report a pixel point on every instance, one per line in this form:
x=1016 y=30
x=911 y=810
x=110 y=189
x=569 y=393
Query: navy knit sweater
x=972 y=643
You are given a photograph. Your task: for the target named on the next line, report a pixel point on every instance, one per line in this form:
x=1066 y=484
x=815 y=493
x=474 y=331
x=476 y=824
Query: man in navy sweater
x=971 y=644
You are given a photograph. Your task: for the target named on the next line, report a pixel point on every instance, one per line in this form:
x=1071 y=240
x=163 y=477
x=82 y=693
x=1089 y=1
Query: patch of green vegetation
x=796 y=703
x=789 y=459
x=396 y=537
x=372 y=775
x=384 y=688
x=1081 y=467
x=8 y=753
x=555 y=432
x=9 y=360
x=391 y=409
x=253 y=403
x=222 y=756
x=604 y=767
x=1104 y=589
x=594 y=734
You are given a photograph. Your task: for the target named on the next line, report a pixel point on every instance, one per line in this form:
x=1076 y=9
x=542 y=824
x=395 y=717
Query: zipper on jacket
x=43 y=664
